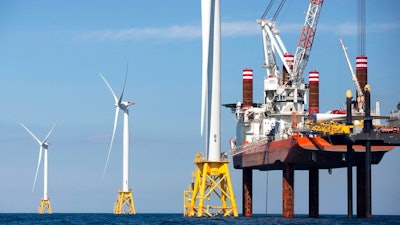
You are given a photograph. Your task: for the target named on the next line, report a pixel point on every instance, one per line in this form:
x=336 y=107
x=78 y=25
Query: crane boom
x=272 y=42
x=306 y=39
x=353 y=75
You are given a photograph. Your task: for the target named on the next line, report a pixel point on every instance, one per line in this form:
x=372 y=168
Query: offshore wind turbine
x=124 y=202
x=212 y=175
x=44 y=145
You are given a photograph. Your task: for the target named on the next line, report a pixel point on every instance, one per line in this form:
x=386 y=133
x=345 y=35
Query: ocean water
x=166 y=219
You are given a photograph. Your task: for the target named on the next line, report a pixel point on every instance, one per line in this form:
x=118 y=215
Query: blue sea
x=165 y=219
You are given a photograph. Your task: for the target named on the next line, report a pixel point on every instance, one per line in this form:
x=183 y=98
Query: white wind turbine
x=43 y=145
x=212 y=176
x=124 y=106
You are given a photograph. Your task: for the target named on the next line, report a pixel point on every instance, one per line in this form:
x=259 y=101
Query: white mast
x=125 y=152
x=45 y=177
x=377 y=113
x=211 y=77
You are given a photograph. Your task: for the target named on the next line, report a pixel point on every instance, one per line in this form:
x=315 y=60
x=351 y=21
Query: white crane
x=360 y=95
x=272 y=42
x=294 y=64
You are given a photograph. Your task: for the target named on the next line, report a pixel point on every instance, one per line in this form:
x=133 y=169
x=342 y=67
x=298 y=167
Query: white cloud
x=142 y=33
x=241 y=28
x=380 y=27
x=229 y=29
x=172 y=32
x=351 y=28
x=341 y=29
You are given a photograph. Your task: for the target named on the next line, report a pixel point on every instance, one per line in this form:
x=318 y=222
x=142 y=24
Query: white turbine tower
x=213 y=171
x=211 y=78
x=45 y=202
x=125 y=195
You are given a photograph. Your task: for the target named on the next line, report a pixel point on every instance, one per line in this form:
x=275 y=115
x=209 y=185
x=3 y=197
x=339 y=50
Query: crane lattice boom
x=306 y=39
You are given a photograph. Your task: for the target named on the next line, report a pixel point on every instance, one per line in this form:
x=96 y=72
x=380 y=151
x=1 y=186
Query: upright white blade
x=205 y=25
x=123 y=88
x=109 y=87
x=112 y=139
x=37 y=167
x=30 y=132
x=47 y=136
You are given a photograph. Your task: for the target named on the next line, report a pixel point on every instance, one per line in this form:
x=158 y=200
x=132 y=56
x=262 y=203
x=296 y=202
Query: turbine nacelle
x=124 y=105
x=45 y=145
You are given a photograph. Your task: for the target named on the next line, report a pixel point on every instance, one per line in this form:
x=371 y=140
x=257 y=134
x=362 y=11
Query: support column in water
x=349 y=157
x=247 y=192
x=288 y=191
x=313 y=192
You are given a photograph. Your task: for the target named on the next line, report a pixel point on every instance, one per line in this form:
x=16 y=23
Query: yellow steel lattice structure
x=331 y=127
x=124 y=204
x=44 y=206
x=212 y=193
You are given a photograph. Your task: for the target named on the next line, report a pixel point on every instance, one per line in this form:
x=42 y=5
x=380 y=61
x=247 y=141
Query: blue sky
x=51 y=54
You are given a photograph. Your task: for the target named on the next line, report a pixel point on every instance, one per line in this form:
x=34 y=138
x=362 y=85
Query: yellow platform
x=124 y=204
x=44 y=206
x=211 y=193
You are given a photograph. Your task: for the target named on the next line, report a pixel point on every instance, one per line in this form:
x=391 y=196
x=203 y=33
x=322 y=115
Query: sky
x=51 y=54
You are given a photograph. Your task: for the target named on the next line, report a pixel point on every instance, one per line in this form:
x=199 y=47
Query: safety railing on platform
x=243 y=148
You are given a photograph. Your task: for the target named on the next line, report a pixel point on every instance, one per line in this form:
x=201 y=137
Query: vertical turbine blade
x=37 y=167
x=112 y=139
x=205 y=25
x=123 y=88
x=30 y=132
x=109 y=87
x=47 y=136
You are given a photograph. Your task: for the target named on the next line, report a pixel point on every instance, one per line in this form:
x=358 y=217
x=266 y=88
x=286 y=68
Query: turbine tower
x=212 y=178
x=124 y=204
x=44 y=206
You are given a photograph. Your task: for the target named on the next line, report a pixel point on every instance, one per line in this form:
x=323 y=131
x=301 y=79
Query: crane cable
x=278 y=10
x=267 y=9
x=361 y=11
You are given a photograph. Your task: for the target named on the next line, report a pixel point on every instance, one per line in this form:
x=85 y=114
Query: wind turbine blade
x=123 y=88
x=205 y=21
x=204 y=98
x=47 y=136
x=109 y=87
x=112 y=139
x=30 y=132
x=37 y=167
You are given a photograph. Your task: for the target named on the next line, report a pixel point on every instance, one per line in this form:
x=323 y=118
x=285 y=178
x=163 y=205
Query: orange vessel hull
x=304 y=152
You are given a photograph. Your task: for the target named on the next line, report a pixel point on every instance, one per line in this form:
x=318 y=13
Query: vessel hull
x=305 y=153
